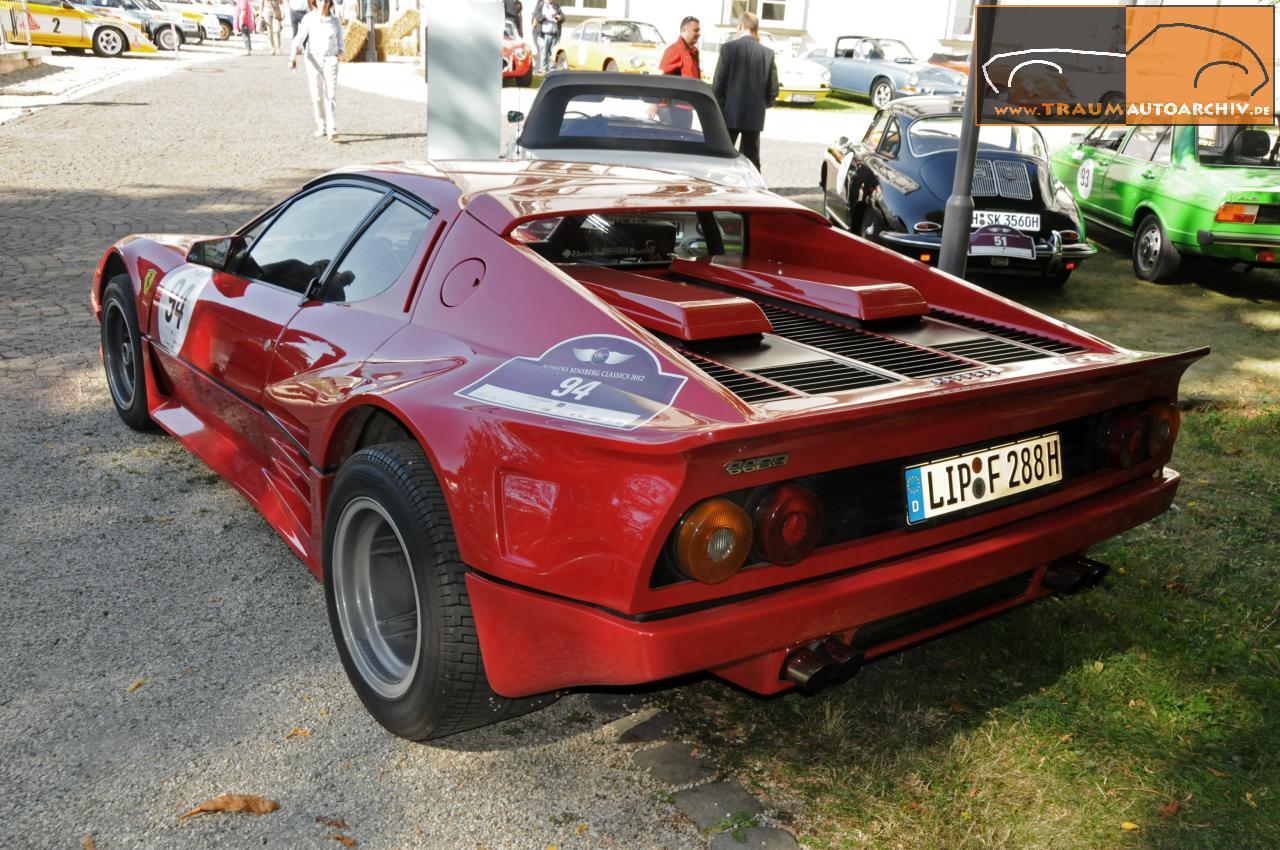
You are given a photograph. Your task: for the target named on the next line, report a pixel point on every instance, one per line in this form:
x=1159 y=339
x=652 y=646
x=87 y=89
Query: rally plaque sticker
x=175 y=297
x=602 y=379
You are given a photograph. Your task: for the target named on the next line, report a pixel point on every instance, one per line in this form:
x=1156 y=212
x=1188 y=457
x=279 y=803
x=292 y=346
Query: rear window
x=940 y=134
x=629 y=32
x=632 y=118
x=1231 y=144
x=635 y=239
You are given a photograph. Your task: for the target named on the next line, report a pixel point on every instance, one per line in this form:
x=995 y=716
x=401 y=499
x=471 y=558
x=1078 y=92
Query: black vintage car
x=892 y=187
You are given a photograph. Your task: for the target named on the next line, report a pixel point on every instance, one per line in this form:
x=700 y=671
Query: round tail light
x=1164 y=421
x=713 y=541
x=1126 y=439
x=788 y=524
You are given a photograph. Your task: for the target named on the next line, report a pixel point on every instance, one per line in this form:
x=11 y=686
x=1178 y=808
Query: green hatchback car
x=1187 y=191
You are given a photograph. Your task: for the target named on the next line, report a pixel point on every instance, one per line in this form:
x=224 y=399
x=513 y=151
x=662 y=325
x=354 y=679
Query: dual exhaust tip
x=819 y=664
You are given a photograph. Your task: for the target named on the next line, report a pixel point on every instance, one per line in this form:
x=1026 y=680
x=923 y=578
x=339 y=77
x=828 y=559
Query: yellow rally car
x=629 y=46
x=56 y=23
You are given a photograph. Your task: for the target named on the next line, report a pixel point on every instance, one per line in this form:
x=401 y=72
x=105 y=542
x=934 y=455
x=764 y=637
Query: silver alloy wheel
x=118 y=352
x=166 y=38
x=376 y=597
x=1149 y=247
x=881 y=95
x=110 y=42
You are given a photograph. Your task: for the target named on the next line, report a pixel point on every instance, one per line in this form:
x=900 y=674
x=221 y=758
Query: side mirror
x=842 y=142
x=1077 y=138
x=214 y=253
x=515 y=116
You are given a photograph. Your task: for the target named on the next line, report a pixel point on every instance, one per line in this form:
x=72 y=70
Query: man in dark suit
x=746 y=84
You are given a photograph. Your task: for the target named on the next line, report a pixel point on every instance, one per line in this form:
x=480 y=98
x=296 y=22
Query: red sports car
x=540 y=424
x=517 y=57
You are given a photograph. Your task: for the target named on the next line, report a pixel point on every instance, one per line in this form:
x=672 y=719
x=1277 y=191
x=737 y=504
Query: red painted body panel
x=563 y=520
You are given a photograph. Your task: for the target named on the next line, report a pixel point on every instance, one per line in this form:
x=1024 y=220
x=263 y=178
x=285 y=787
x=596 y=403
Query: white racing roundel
x=1084 y=178
x=175 y=299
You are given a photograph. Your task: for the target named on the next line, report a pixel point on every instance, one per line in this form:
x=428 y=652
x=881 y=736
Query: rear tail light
x=1237 y=213
x=788 y=523
x=1125 y=438
x=1069 y=235
x=1164 y=420
x=1266 y=256
x=713 y=541
x=927 y=226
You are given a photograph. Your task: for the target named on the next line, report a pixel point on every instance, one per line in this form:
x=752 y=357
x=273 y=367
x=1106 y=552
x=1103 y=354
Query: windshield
x=628 y=239
x=894 y=50
x=1237 y=144
x=935 y=135
x=629 y=31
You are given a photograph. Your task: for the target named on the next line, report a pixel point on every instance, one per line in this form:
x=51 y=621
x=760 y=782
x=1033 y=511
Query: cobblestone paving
x=158 y=641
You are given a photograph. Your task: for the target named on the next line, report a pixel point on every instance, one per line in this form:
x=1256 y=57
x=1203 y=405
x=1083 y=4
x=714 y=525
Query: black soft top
x=545 y=126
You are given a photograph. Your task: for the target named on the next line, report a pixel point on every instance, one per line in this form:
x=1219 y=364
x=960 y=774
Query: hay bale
x=406 y=24
x=354 y=39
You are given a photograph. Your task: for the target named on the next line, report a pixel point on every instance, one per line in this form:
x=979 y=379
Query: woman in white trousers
x=319 y=40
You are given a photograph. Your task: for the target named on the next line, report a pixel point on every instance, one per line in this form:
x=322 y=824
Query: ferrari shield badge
x=602 y=379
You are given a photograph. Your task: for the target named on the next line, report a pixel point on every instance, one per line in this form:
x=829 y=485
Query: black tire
x=109 y=42
x=224 y=31
x=881 y=92
x=122 y=354
x=610 y=66
x=444 y=690
x=1154 y=257
x=165 y=38
x=869 y=224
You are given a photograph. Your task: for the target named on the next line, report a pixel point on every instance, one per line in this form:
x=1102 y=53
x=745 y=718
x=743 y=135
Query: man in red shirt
x=681 y=59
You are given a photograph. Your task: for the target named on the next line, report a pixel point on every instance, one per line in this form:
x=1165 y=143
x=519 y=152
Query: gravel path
x=158 y=642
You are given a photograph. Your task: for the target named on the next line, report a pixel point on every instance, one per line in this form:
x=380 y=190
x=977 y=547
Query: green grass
x=832 y=102
x=1152 y=701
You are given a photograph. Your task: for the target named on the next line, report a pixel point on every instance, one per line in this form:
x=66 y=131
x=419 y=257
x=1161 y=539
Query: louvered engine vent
x=745 y=386
x=824 y=376
x=882 y=352
x=1054 y=346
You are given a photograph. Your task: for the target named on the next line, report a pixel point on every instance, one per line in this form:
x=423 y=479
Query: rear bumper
x=533 y=642
x=1208 y=239
x=1052 y=249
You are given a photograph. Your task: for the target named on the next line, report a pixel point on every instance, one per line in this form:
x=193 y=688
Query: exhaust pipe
x=828 y=661
x=1073 y=574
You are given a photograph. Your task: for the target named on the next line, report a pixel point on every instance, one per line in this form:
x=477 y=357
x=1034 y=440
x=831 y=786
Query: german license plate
x=804 y=98
x=1016 y=220
x=980 y=477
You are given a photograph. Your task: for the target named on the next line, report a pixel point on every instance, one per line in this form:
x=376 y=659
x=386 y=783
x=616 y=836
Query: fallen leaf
x=580 y=828
x=1249 y=799
x=1097 y=666
x=957 y=707
x=915 y=805
x=1129 y=825
x=1233 y=452
x=1176 y=587
x=332 y=823
x=234 y=803
x=1218 y=773
x=298 y=732
x=1170 y=809
x=345 y=840
x=137 y=683
x=88 y=843
x=1062 y=739
x=162 y=519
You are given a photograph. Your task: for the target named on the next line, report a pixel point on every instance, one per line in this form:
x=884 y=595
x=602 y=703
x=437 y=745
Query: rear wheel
x=166 y=38
x=224 y=30
x=881 y=93
x=397 y=598
x=1154 y=257
x=108 y=42
x=122 y=353
x=610 y=65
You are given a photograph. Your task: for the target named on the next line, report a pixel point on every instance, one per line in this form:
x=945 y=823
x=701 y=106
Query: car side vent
x=880 y=351
x=986 y=349
x=824 y=376
x=1054 y=346
x=745 y=386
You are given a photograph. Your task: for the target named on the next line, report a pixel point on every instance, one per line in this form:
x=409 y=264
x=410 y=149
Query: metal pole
x=958 y=217
x=370 y=46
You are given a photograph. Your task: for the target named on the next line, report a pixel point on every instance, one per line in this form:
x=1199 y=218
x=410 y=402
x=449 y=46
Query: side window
x=1105 y=136
x=591 y=32
x=379 y=256
x=302 y=241
x=876 y=130
x=891 y=142
x=1164 y=150
x=1142 y=142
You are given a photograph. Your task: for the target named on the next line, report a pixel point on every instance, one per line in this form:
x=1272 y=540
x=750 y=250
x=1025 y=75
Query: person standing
x=548 y=26
x=746 y=84
x=297 y=10
x=513 y=11
x=319 y=39
x=272 y=11
x=681 y=58
x=244 y=24
x=535 y=31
